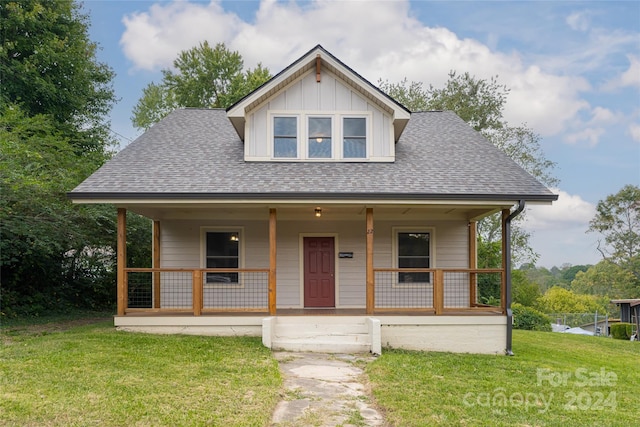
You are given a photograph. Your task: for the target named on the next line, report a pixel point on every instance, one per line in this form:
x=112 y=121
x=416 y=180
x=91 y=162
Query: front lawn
x=553 y=380
x=95 y=375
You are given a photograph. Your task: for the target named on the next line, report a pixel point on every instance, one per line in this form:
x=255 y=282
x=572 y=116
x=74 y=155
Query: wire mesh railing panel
x=237 y=290
x=489 y=289
x=140 y=290
x=394 y=289
x=176 y=289
x=456 y=289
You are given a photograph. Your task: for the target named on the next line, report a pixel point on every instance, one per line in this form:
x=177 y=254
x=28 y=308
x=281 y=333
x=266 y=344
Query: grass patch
x=95 y=375
x=554 y=380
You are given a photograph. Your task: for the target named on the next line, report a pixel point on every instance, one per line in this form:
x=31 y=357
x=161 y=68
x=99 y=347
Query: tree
x=204 y=77
x=53 y=134
x=617 y=219
x=48 y=66
x=560 y=300
x=606 y=279
x=480 y=103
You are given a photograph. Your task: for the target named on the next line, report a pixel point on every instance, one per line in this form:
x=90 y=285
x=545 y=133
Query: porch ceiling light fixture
x=318 y=212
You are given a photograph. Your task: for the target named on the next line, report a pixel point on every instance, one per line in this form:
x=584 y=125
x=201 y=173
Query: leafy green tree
x=560 y=300
x=524 y=292
x=481 y=103
x=48 y=65
x=53 y=133
x=606 y=279
x=204 y=77
x=617 y=219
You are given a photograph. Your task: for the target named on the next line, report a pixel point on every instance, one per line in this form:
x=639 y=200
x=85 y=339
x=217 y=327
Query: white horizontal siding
x=330 y=95
x=181 y=248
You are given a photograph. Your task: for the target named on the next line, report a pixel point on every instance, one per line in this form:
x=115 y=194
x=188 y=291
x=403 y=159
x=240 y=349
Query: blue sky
x=573 y=69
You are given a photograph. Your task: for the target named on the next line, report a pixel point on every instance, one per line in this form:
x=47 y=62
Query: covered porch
x=460 y=289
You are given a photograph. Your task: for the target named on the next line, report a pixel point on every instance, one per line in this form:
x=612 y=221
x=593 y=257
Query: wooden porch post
x=156 y=264
x=272 y=262
x=370 y=279
x=438 y=292
x=196 y=279
x=473 y=263
x=503 y=284
x=121 y=259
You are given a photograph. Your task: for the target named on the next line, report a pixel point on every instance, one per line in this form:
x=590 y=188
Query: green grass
x=553 y=380
x=94 y=375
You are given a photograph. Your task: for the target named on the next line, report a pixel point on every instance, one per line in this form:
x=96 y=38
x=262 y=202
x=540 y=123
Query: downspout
x=507 y=267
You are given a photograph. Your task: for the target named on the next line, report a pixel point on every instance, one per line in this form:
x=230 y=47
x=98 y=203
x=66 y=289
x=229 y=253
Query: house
x=320 y=214
x=629 y=311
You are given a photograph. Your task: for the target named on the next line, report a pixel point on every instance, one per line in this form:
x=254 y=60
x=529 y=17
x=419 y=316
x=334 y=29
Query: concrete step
x=322 y=334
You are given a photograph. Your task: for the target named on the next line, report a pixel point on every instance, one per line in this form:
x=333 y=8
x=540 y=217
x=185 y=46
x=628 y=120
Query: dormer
x=318 y=110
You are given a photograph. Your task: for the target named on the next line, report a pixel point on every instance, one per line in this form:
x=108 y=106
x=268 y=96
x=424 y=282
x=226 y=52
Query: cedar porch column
x=121 y=259
x=272 y=262
x=473 y=262
x=156 y=264
x=505 y=254
x=370 y=279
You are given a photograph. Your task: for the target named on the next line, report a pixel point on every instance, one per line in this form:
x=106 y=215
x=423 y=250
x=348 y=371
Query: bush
x=621 y=331
x=530 y=319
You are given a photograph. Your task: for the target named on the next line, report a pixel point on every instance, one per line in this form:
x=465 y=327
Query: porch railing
x=199 y=291
x=438 y=290
x=196 y=290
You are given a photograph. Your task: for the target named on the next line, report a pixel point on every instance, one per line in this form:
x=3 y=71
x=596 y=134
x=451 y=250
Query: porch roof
x=197 y=154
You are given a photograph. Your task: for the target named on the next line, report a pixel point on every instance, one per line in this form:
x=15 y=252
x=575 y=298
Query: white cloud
x=579 y=21
x=282 y=31
x=629 y=78
x=568 y=212
x=634 y=131
x=589 y=135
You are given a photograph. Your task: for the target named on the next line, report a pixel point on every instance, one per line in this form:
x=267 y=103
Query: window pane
x=355 y=148
x=222 y=252
x=354 y=130
x=319 y=137
x=285 y=147
x=285 y=137
x=285 y=126
x=413 y=252
x=355 y=127
x=413 y=244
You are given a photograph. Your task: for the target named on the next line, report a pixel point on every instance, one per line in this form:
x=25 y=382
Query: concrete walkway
x=324 y=390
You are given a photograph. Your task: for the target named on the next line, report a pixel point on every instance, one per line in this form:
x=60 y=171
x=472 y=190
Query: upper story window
x=320 y=136
x=354 y=130
x=285 y=137
x=320 y=141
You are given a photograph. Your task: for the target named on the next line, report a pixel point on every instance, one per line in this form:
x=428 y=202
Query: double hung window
x=413 y=251
x=222 y=250
x=320 y=136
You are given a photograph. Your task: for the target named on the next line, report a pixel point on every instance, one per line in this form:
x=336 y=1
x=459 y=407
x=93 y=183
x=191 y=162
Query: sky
x=573 y=70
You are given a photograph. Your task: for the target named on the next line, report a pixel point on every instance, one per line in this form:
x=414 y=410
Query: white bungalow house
x=320 y=214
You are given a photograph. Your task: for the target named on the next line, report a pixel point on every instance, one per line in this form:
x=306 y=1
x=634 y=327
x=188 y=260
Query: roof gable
x=318 y=58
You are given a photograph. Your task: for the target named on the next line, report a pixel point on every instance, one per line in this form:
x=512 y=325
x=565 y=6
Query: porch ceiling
x=330 y=211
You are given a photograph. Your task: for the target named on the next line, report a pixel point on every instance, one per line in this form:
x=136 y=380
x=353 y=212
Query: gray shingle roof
x=197 y=153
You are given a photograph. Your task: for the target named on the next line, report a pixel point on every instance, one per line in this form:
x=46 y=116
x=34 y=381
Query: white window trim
x=203 y=254
x=394 y=253
x=337 y=134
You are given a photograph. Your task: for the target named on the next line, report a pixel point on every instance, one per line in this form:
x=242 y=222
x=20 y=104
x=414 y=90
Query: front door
x=319 y=263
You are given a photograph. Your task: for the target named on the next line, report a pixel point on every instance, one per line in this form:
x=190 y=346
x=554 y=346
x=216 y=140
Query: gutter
x=507 y=267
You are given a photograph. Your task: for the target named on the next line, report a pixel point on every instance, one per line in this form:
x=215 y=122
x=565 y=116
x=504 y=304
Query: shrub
x=621 y=331
x=530 y=319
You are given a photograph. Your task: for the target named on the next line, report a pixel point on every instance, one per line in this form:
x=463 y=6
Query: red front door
x=319 y=283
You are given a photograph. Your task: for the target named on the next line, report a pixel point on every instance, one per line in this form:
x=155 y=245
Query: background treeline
x=55 y=97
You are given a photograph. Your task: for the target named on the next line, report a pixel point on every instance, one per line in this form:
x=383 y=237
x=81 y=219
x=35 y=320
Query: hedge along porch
x=319 y=213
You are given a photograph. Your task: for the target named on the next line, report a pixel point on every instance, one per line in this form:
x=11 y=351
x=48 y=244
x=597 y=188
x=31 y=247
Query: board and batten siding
x=181 y=247
x=330 y=95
